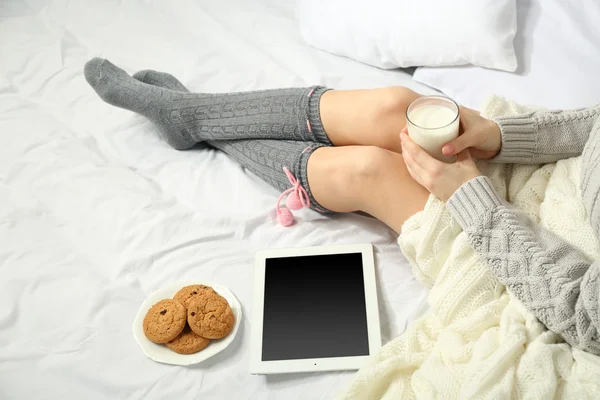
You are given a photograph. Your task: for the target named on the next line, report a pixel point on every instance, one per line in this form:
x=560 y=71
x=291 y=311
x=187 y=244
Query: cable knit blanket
x=477 y=341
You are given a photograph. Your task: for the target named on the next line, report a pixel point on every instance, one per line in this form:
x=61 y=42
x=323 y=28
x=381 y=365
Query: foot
x=185 y=118
x=160 y=79
x=159 y=105
x=168 y=81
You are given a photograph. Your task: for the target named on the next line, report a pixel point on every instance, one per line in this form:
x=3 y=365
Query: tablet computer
x=315 y=309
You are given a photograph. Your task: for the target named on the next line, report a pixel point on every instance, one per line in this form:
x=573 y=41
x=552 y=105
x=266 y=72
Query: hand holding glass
x=432 y=122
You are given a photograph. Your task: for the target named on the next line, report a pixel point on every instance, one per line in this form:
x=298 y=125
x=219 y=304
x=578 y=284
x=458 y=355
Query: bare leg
x=368 y=179
x=372 y=117
x=353 y=178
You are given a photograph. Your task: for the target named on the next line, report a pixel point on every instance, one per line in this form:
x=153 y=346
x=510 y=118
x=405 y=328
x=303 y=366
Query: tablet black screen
x=314 y=307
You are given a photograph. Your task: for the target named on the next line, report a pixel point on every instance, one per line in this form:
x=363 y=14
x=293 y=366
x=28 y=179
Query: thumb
x=464 y=155
x=456 y=146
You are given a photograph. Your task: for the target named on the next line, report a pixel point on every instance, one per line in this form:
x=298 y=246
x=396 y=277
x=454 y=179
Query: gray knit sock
x=160 y=79
x=185 y=119
x=265 y=158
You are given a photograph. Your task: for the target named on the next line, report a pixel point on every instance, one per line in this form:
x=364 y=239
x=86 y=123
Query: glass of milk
x=432 y=122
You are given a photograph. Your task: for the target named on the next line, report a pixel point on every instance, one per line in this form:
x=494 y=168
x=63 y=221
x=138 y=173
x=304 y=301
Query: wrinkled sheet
x=96 y=212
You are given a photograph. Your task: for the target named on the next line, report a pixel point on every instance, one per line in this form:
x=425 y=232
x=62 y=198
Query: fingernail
x=447 y=150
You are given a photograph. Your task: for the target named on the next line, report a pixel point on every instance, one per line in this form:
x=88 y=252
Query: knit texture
x=553 y=279
x=478 y=340
x=541 y=136
x=264 y=158
x=185 y=119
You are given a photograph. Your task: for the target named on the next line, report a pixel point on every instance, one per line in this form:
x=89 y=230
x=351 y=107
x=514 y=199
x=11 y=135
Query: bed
x=96 y=212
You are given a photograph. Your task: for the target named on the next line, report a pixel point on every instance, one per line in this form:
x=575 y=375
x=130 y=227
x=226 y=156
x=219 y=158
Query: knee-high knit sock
x=264 y=158
x=185 y=118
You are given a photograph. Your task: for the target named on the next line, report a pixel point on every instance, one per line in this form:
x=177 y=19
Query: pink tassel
x=297 y=199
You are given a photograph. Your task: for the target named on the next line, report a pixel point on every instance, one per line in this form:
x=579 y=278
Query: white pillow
x=405 y=33
x=558 y=45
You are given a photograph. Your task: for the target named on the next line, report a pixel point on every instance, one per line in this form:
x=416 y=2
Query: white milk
x=431 y=127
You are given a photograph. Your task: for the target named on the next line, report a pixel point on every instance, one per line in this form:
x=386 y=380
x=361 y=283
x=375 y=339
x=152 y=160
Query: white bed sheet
x=96 y=212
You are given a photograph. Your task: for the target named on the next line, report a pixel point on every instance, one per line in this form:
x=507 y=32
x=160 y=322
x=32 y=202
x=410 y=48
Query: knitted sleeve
x=545 y=136
x=553 y=279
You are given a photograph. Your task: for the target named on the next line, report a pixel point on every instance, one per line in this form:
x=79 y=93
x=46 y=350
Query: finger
x=413 y=168
x=481 y=154
x=464 y=155
x=420 y=156
x=415 y=176
x=421 y=175
x=478 y=154
x=403 y=133
x=462 y=119
x=457 y=145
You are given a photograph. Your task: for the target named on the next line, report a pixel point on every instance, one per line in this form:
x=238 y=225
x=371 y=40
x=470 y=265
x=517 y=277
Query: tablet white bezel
x=257 y=366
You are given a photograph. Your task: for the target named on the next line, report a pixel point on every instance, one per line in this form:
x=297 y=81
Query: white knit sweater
x=552 y=278
x=478 y=341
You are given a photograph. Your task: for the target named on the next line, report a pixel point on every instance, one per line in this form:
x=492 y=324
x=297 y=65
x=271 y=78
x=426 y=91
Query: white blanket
x=478 y=342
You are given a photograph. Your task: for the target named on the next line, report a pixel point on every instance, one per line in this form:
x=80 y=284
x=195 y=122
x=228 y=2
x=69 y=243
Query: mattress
x=96 y=212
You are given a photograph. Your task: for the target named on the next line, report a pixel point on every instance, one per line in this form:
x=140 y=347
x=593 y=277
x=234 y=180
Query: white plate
x=160 y=352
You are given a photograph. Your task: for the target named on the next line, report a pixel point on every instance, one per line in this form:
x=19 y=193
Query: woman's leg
x=368 y=179
x=341 y=176
x=184 y=119
x=342 y=117
x=342 y=179
x=371 y=117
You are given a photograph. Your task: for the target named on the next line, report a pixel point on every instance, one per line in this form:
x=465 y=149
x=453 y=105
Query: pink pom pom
x=293 y=201
x=285 y=217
